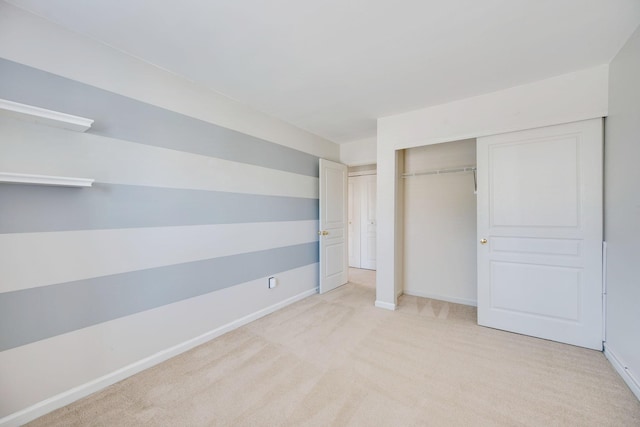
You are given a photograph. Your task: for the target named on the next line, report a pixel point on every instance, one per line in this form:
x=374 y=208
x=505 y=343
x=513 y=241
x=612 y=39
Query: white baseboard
x=456 y=300
x=623 y=370
x=58 y=401
x=385 y=305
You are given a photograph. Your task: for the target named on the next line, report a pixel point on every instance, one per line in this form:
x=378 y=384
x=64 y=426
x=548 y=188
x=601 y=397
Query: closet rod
x=441 y=171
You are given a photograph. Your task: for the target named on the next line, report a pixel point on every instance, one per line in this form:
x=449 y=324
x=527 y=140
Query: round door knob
x=483 y=241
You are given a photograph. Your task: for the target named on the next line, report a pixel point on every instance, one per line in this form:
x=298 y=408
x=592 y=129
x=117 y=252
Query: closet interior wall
x=440 y=223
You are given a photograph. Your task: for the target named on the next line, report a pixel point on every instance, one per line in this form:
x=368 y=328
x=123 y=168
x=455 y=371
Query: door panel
x=368 y=245
x=546 y=189
x=540 y=210
x=333 y=206
x=536 y=246
x=362 y=222
x=333 y=225
x=538 y=290
x=354 y=223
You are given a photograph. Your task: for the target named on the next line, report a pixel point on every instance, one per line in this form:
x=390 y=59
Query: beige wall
x=359 y=152
x=440 y=224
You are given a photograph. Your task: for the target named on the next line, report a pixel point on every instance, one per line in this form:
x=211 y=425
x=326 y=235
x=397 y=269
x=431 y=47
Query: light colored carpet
x=334 y=360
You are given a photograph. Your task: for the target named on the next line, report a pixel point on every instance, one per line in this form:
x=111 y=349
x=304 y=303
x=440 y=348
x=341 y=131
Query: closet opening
x=439 y=187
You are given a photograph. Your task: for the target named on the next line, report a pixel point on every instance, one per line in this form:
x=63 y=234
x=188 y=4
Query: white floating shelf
x=44 y=116
x=60 y=181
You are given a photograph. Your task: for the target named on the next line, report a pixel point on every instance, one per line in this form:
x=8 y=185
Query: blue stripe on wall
x=35 y=314
x=117 y=116
x=31 y=208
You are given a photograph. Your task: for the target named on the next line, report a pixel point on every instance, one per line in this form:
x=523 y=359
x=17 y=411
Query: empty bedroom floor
x=334 y=360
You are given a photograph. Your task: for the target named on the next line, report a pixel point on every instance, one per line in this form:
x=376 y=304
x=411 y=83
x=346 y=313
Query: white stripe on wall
x=29 y=148
x=65 y=361
x=40 y=259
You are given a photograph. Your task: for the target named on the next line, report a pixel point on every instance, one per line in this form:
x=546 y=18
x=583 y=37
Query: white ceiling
x=333 y=66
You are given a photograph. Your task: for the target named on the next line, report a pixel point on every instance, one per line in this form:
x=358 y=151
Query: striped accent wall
x=184 y=224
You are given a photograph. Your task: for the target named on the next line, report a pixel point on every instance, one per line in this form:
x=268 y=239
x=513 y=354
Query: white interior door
x=354 y=222
x=368 y=223
x=333 y=225
x=362 y=221
x=540 y=232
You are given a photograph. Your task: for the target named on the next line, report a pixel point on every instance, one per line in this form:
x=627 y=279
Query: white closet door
x=368 y=222
x=540 y=232
x=362 y=222
x=354 y=223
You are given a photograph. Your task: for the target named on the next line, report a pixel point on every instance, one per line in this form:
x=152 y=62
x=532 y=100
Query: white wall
x=34 y=41
x=622 y=213
x=571 y=97
x=440 y=224
x=48 y=371
x=359 y=152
